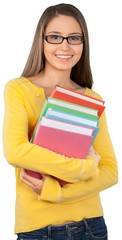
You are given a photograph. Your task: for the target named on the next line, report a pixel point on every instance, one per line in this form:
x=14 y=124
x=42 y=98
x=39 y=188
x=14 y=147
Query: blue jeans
x=87 y=229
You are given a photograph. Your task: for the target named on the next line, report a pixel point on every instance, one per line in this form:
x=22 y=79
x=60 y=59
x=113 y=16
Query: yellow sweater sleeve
x=20 y=153
x=107 y=175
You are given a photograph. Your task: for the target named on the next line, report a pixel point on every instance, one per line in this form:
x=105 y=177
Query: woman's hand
x=34 y=183
x=93 y=153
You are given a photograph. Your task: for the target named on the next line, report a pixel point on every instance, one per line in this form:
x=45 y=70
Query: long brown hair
x=81 y=72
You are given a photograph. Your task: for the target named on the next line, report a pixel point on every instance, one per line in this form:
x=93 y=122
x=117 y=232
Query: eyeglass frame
x=46 y=38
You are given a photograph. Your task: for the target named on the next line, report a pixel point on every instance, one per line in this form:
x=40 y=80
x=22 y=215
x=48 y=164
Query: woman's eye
x=55 y=37
x=74 y=38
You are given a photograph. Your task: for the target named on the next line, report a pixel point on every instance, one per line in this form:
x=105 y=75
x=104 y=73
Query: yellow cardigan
x=56 y=204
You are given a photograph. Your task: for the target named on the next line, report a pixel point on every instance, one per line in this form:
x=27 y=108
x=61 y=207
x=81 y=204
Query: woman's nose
x=65 y=44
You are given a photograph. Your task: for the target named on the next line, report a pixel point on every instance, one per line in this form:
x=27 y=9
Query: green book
x=68 y=107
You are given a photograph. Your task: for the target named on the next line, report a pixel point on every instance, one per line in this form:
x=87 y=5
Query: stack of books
x=68 y=124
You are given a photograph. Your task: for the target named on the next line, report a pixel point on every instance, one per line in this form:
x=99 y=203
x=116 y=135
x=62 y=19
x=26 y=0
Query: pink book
x=64 y=142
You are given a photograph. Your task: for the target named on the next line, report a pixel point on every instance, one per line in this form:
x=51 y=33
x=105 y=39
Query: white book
x=66 y=126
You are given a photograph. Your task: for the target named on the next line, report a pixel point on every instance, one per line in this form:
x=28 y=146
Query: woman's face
x=63 y=56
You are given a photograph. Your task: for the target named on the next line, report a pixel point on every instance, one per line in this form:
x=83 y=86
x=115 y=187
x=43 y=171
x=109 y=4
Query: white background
x=18 y=20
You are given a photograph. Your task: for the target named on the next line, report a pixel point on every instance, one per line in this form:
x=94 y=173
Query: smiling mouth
x=64 y=56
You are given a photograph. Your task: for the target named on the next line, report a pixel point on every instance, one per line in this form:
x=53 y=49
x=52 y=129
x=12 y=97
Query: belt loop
x=86 y=226
x=49 y=232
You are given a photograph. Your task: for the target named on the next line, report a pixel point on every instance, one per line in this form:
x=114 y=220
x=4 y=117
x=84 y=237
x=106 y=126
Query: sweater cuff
x=51 y=190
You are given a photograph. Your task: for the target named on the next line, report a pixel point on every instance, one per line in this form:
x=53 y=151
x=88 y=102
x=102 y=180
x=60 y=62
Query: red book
x=71 y=143
x=78 y=98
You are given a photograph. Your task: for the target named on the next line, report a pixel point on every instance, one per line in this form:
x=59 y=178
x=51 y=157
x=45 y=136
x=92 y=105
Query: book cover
x=71 y=141
x=78 y=98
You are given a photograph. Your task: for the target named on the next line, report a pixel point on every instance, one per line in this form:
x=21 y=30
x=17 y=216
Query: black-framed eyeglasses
x=56 y=39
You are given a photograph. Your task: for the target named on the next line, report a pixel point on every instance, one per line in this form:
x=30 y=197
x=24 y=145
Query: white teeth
x=64 y=57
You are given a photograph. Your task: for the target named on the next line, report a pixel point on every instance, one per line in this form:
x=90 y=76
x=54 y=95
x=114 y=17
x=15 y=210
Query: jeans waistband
x=83 y=224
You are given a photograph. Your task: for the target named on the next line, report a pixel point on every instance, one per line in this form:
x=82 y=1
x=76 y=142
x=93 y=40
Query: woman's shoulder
x=93 y=93
x=23 y=86
x=16 y=81
x=20 y=83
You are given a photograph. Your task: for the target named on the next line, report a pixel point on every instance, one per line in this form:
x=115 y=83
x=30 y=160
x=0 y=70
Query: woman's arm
x=107 y=175
x=37 y=184
x=22 y=154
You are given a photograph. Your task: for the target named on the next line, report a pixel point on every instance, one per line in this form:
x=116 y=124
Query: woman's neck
x=49 y=79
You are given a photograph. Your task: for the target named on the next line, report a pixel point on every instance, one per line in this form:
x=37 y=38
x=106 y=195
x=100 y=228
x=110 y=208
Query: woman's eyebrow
x=56 y=32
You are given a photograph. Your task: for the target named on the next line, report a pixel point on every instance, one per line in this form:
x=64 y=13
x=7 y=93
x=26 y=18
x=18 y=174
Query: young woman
x=44 y=209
